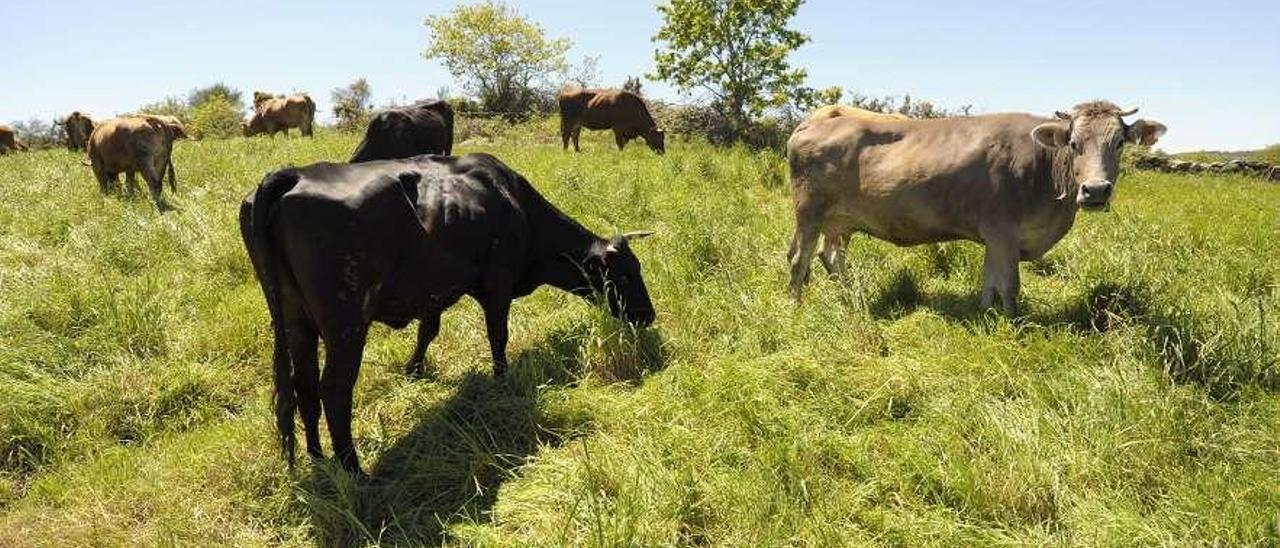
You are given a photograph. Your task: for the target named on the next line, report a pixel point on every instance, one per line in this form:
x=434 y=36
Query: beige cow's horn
x=1062 y=115
x=637 y=235
x=1129 y=112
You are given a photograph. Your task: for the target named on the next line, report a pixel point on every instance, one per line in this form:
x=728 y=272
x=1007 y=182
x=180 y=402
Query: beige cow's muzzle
x=1095 y=196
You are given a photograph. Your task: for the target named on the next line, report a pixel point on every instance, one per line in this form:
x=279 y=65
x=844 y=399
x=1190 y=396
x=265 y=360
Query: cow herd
x=404 y=230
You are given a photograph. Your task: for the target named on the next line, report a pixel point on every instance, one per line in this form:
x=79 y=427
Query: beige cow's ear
x=1051 y=135
x=1145 y=132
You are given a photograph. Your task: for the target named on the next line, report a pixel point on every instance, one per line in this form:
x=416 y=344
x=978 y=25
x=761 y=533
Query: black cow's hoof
x=415 y=369
x=499 y=370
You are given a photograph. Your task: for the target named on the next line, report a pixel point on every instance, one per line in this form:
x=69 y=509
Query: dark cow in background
x=131 y=145
x=1012 y=182
x=621 y=111
x=339 y=246
x=278 y=114
x=78 y=127
x=9 y=140
x=421 y=128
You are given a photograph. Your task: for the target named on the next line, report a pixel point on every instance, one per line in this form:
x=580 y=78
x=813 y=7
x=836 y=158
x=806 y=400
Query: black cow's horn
x=637 y=235
x=1129 y=112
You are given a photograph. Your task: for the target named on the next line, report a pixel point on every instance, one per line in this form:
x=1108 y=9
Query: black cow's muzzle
x=1095 y=196
x=640 y=318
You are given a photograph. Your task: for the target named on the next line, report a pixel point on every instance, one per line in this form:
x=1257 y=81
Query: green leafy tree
x=199 y=96
x=501 y=58
x=169 y=106
x=633 y=85
x=351 y=104
x=1270 y=155
x=217 y=117
x=736 y=50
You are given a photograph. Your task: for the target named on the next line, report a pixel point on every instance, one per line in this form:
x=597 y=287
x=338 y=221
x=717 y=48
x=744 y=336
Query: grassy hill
x=1136 y=403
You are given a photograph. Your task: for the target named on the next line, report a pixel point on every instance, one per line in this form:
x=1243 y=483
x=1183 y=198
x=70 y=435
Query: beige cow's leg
x=1000 y=276
x=809 y=217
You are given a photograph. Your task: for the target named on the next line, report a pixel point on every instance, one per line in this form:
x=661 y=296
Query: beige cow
x=1012 y=182
x=833 y=111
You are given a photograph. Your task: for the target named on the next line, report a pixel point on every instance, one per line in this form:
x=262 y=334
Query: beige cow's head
x=1093 y=134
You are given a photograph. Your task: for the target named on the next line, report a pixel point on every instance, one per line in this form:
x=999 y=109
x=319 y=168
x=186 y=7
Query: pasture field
x=1136 y=402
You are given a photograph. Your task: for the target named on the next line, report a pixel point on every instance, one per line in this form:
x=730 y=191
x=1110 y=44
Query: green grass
x=1136 y=403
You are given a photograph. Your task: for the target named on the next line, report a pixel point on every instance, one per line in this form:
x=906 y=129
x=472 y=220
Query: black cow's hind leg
x=342 y=366
x=303 y=346
x=427 y=331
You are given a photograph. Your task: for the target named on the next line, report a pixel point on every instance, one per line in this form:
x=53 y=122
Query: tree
x=633 y=85
x=216 y=117
x=500 y=57
x=585 y=74
x=199 y=96
x=351 y=104
x=169 y=106
x=734 y=49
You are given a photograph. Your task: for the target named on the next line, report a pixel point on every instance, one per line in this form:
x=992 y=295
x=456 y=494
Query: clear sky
x=1210 y=71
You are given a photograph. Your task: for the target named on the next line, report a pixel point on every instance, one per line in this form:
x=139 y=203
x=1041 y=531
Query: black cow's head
x=614 y=273
x=656 y=139
x=1095 y=132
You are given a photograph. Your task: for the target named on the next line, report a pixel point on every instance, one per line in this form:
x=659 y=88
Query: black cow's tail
x=255 y=219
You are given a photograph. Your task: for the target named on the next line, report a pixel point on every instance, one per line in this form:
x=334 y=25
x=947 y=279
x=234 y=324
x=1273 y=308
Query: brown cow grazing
x=833 y=111
x=130 y=145
x=281 y=113
x=1012 y=182
x=78 y=127
x=622 y=111
x=9 y=140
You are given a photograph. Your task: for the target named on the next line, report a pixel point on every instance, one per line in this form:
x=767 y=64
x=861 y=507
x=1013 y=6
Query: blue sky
x=1207 y=70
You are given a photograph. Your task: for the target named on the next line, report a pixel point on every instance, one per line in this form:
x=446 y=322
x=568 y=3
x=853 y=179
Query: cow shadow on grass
x=448 y=468
x=1223 y=357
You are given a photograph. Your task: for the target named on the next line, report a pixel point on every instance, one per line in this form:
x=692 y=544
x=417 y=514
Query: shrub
x=1270 y=155
x=39 y=134
x=169 y=106
x=216 y=118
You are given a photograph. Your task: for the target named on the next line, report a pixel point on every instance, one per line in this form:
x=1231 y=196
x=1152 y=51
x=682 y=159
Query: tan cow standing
x=9 y=140
x=130 y=145
x=78 y=127
x=621 y=111
x=278 y=114
x=1012 y=182
x=833 y=111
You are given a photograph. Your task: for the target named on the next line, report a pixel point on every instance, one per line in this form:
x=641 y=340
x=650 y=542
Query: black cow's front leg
x=427 y=331
x=496 y=311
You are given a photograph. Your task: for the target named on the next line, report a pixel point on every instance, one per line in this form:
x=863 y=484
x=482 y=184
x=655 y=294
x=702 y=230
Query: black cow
x=422 y=128
x=338 y=246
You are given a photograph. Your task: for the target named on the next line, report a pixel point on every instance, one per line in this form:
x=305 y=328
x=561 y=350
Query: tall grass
x=1135 y=403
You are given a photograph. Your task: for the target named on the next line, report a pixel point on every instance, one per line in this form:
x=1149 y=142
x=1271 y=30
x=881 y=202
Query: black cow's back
x=422 y=128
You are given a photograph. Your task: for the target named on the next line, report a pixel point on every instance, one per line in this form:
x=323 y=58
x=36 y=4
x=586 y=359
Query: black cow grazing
x=422 y=128
x=339 y=246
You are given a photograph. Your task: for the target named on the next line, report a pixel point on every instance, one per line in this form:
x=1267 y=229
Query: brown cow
x=281 y=113
x=832 y=111
x=174 y=130
x=78 y=127
x=622 y=111
x=9 y=140
x=1012 y=182
x=130 y=145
